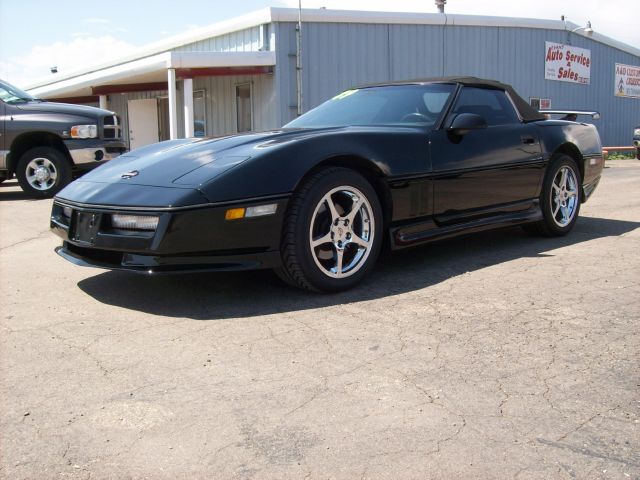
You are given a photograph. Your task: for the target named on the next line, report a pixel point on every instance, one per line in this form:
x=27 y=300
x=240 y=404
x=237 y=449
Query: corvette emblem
x=130 y=174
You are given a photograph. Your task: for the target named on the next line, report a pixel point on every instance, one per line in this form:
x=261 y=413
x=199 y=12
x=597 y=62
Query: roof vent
x=440 y=4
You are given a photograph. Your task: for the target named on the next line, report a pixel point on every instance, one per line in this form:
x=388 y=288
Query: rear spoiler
x=594 y=115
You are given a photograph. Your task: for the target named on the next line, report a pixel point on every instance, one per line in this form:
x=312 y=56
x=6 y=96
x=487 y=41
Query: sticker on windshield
x=344 y=94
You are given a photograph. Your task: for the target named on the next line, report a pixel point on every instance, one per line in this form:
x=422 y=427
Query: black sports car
x=405 y=163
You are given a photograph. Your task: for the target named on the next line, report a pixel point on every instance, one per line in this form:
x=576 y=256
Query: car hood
x=64 y=108
x=187 y=163
x=188 y=166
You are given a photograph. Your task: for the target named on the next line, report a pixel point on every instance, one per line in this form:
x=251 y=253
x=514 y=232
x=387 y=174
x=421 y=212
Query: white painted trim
x=173 y=104
x=187 y=91
x=101 y=77
x=157 y=63
x=220 y=59
x=409 y=18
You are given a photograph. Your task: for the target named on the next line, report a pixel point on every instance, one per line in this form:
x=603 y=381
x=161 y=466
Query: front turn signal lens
x=234 y=214
x=250 y=212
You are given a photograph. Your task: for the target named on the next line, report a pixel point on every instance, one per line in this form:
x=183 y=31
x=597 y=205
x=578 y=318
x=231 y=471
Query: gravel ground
x=493 y=356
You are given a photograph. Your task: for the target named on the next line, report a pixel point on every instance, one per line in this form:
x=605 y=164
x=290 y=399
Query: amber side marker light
x=234 y=214
x=249 y=212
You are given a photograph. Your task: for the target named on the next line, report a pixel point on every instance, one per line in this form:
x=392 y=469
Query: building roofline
x=278 y=14
x=154 y=64
x=252 y=19
x=413 y=18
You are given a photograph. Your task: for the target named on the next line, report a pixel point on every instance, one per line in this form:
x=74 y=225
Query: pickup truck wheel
x=43 y=171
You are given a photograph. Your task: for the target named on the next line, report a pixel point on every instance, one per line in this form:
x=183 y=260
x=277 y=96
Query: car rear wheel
x=332 y=233
x=560 y=198
x=43 y=171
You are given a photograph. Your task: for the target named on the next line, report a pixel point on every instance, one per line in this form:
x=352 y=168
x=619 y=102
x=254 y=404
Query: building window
x=163 y=119
x=243 y=107
x=199 y=114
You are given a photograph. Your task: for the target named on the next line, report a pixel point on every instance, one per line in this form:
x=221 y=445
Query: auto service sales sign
x=566 y=63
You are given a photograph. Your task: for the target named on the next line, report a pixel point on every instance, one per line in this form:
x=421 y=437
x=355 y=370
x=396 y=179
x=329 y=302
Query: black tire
x=43 y=171
x=554 y=221
x=348 y=240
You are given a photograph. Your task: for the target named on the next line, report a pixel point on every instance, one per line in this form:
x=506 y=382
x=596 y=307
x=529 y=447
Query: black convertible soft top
x=527 y=112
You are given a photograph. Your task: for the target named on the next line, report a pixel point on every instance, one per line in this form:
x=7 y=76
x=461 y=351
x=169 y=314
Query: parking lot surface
x=498 y=355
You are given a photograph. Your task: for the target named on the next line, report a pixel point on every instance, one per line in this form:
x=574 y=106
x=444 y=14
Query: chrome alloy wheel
x=41 y=173
x=341 y=232
x=564 y=196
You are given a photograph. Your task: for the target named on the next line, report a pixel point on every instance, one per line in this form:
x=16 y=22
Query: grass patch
x=622 y=156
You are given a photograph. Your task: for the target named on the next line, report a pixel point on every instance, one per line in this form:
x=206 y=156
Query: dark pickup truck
x=636 y=140
x=44 y=144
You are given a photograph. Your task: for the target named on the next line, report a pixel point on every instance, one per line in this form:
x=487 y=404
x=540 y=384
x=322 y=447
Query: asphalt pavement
x=498 y=355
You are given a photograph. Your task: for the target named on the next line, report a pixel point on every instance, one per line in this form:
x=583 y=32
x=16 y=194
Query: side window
x=493 y=105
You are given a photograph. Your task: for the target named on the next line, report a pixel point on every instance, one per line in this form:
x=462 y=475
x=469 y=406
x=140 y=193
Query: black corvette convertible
x=403 y=163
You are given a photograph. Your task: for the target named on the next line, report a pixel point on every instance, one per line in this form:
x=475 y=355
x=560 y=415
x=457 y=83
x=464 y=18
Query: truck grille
x=111 y=128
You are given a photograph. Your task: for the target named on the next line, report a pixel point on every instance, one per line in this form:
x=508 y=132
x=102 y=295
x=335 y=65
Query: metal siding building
x=341 y=49
x=339 y=56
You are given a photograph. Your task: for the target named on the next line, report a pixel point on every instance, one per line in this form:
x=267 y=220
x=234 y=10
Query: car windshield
x=11 y=94
x=419 y=105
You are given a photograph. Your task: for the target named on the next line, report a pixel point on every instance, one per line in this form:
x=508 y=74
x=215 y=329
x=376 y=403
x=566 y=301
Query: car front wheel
x=43 y=171
x=333 y=232
x=560 y=198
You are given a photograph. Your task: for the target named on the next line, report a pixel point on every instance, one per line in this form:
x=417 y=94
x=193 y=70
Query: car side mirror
x=464 y=122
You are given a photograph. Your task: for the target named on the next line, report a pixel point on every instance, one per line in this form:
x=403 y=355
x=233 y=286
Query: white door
x=143 y=122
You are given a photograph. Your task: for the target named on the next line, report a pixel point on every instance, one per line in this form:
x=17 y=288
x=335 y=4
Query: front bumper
x=166 y=264
x=93 y=152
x=185 y=240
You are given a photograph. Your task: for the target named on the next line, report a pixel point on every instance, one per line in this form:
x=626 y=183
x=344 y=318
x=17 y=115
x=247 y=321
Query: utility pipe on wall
x=299 y=59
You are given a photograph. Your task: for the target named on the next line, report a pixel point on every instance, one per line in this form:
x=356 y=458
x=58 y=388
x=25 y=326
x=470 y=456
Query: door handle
x=528 y=139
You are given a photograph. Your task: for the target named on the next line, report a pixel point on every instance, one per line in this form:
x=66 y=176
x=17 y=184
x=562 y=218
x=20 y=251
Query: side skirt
x=428 y=231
